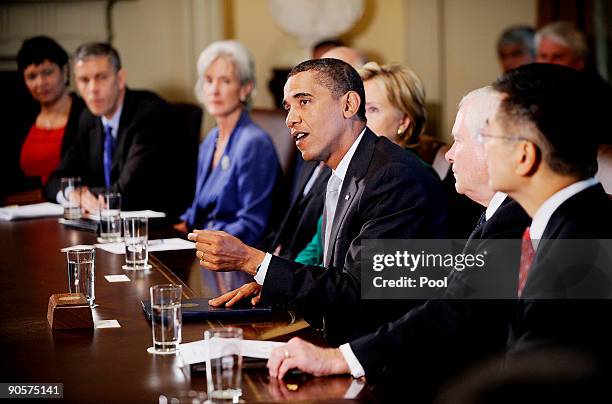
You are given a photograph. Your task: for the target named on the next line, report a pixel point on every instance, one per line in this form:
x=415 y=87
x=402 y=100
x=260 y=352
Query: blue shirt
x=236 y=196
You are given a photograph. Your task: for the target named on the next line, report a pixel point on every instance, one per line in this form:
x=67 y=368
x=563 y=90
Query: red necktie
x=527 y=254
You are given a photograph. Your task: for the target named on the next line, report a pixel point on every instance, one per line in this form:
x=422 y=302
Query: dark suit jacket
x=387 y=193
x=145 y=161
x=300 y=223
x=566 y=300
x=437 y=339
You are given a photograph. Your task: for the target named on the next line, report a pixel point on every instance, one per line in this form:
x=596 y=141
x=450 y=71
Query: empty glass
x=224 y=364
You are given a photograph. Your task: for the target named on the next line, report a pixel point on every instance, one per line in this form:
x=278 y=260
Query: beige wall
x=449 y=43
x=253 y=24
x=471 y=28
x=160 y=41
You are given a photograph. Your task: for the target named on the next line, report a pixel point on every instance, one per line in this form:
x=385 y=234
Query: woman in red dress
x=50 y=132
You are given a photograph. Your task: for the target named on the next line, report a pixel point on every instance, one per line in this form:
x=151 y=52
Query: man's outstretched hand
x=220 y=251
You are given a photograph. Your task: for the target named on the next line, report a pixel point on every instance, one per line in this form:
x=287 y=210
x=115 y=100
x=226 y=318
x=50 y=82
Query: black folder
x=199 y=309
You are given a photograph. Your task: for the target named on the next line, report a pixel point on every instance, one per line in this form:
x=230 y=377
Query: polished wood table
x=111 y=364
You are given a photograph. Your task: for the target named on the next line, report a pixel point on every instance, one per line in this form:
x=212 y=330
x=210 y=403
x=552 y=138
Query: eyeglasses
x=481 y=137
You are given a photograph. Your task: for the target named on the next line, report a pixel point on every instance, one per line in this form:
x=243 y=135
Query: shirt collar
x=340 y=171
x=113 y=122
x=544 y=212
x=494 y=204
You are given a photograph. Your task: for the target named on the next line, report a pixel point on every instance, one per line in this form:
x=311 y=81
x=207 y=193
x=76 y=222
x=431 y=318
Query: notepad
x=130 y=213
x=44 y=209
x=196 y=352
x=167 y=244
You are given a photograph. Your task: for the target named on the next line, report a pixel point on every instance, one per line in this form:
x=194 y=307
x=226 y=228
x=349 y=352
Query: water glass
x=81 y=272
x=136 y=238
x=224 y=364
x=70 y=188
x=110 y=217
x=166 y=317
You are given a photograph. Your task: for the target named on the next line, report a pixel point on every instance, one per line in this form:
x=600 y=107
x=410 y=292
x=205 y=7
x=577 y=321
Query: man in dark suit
x=542 y=150
x=123 y=143
x=433 y=341
x=377 y=190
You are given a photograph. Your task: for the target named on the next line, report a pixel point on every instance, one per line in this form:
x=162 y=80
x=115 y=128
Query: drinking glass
x=70 y=188
x=136 y=238
x=110 y=217
x=166 y=318
x=224 y=364
x=81 y=272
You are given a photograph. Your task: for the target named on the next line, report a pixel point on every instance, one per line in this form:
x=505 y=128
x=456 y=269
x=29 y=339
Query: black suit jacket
x=386 y=193
x=300 y=223
x=145 y=161
x=435 y=340
x=566 y=300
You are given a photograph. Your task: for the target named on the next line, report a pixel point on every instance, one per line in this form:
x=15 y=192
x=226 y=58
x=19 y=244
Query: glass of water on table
x=136 y=238
x=110 y=218
x=166 y=318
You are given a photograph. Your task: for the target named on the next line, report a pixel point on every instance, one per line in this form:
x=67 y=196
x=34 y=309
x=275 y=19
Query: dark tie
x=527 y=254
x=109 y=151
x=481 y=220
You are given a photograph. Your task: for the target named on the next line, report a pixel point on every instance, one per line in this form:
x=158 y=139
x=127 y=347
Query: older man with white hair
x=562 y=44
x=435 y=340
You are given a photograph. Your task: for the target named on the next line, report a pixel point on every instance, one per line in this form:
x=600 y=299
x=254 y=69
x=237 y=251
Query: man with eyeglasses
x=542 y=151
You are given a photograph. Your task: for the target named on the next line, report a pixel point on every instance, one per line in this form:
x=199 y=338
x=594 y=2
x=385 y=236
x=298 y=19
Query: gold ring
x=286 y=354
x=201 y=262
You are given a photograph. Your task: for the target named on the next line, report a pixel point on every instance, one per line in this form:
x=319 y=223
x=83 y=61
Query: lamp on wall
x=314 y=20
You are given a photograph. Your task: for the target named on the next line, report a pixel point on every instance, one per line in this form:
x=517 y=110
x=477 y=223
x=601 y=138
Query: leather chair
x=273 y=122
x=187 y=124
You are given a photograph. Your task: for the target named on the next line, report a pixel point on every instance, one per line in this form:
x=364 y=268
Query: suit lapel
x=124 y=123
x=303 y=178
x=96 y=146
x=207 y=156
x=350 y=186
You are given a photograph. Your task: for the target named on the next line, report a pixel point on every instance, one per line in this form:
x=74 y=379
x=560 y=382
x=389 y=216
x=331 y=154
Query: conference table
x=107 y=365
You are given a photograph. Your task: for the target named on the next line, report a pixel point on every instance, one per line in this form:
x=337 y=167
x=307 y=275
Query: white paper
x=195 y=352
x=129 y=213
x=76 y=247
x=31 y=211
x=167 y=244
x=106 y=324
x=117 y=278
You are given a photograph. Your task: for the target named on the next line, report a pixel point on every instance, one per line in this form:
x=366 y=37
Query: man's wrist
x=256 y=258
x=339 y=365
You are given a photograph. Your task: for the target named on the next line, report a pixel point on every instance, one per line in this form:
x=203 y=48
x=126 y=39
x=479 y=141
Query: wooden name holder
x=69 y=310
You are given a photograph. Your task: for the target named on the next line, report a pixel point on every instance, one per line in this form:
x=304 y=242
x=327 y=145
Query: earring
x=400 y=130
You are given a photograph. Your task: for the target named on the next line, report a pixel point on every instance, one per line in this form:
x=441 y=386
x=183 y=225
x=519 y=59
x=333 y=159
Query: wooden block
x=68 y=311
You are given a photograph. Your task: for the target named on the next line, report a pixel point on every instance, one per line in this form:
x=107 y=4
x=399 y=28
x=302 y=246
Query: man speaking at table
x=124 y=143
x=377 y=190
